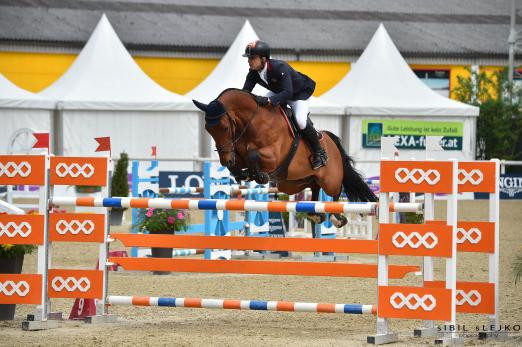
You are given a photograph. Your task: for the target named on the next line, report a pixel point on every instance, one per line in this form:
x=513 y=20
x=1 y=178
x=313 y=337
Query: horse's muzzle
x=231 y=162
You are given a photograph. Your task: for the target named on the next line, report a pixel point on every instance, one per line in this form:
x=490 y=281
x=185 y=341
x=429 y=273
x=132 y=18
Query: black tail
x=354 y=186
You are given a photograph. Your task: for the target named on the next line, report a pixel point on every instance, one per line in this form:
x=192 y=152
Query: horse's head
x=220 y=126
x=228 y=119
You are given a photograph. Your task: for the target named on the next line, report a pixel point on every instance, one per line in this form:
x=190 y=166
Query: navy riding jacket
x=287 y=83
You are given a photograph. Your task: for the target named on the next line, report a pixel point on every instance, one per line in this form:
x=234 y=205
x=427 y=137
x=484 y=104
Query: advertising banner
x=510 y=186
x=169 y=179
x=412 y=134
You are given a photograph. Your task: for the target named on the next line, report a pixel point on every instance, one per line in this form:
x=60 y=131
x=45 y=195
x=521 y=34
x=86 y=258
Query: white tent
x=105 y=93
x=381 y=87
x=21 y=109
x=232 y=69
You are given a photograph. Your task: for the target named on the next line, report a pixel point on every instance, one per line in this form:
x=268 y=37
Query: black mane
x=238 y=90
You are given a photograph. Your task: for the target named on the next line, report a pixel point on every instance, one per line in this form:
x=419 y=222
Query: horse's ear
x=200 y=105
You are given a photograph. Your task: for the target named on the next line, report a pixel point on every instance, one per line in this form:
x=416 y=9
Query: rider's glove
x=262 y=100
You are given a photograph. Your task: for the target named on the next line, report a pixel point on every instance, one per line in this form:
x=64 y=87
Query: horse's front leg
x=254 y=168
x=239 y=174
x=238 y=166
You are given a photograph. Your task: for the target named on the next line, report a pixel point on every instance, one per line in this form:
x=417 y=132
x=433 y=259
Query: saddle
x=291 y=121
x=289 y=116
x=282 y=171
x=287 y=113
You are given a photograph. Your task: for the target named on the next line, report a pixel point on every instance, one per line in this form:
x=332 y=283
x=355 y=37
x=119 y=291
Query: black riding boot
x=319 y=156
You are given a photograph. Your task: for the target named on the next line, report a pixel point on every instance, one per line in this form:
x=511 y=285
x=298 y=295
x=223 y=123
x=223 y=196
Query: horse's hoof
x=316 y=218
x=338 y=220
x=263 y=178
x=239 y=175
x=239 y=178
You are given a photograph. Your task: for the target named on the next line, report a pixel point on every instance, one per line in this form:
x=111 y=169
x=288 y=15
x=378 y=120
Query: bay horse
x=256 y=143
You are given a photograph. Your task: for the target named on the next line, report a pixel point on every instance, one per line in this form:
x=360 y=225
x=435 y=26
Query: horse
x=257 y=143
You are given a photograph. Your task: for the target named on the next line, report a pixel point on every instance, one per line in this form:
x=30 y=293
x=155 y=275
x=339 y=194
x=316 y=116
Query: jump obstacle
x=242 y=305
x=145 y=183
x=233 y=191
x=433 y=301
x=218 y=185
x=257 y=223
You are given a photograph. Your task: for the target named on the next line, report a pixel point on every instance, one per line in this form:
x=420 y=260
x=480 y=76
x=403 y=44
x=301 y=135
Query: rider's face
x=256 y=63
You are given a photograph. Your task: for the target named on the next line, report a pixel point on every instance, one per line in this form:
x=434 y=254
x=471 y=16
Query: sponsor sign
x=277 y=228
x=510 y=187
x=412 y=134
x=181 y=179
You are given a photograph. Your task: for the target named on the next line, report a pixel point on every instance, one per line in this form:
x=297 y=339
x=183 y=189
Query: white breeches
x=300 y=108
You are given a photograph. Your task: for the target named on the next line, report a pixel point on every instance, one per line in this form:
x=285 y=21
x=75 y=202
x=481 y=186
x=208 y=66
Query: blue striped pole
x=221 y=204
x=256 y=305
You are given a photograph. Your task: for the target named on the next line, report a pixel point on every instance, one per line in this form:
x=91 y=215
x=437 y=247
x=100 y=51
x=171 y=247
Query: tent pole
x=204 y=142
x=57 y=130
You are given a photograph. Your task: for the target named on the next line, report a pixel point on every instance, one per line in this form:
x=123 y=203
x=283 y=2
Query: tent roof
x=232 y=69
x=448 y=30
x=104 y=76
x=12 y=96
x=382 y=83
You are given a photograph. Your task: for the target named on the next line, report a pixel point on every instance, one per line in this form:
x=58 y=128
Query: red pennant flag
x=153 y=152
x=42 y=140
x=104 y=144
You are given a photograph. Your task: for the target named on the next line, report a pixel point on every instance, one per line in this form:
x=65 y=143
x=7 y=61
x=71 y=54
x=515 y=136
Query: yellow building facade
x=36 y=71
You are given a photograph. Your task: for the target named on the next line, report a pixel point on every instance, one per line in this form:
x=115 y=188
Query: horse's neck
x=242 y=105
x=263 y=125
x=269 y=129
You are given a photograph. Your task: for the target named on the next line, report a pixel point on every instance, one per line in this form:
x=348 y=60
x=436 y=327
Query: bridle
x=233 y=142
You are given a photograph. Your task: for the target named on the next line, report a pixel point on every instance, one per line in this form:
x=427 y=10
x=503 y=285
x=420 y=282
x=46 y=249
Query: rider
x=286 y=86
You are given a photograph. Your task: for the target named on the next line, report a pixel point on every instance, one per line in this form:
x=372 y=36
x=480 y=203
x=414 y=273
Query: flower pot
x=161 y=253
x=116 y=216
x=12 y=265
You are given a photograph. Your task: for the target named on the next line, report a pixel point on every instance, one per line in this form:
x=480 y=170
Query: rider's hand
x=262 y=100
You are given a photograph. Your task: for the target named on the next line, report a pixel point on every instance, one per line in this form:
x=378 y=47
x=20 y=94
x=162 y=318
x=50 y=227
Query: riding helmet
x=257 y=47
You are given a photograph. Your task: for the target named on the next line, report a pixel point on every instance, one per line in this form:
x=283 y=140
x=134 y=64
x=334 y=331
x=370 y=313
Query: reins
x=232 y=143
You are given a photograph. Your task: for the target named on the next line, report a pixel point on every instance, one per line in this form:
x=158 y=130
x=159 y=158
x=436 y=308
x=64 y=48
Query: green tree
x=499 y=126
x=120 y=183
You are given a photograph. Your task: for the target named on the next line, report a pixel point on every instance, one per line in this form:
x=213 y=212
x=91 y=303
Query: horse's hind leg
x=315 y=218
x=337 y=219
